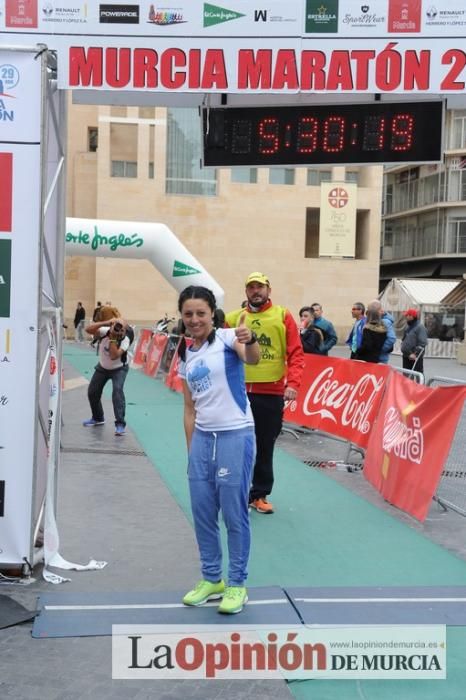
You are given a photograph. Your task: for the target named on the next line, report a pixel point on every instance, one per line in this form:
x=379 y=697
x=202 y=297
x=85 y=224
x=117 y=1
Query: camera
x=117 y=327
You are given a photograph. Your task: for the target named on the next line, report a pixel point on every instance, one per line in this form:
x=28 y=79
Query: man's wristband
x=113 y=341
x=253 y=339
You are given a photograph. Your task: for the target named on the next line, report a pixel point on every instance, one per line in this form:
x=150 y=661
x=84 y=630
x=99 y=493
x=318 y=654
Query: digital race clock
x=380 y=132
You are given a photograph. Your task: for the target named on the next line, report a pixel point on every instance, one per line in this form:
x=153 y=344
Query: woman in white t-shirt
x=221 y=442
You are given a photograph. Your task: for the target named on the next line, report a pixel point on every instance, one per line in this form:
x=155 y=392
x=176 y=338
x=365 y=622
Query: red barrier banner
x=340 y=397
x=154 y=354
x=142 y=346
x=410 y=442
x=172 y=380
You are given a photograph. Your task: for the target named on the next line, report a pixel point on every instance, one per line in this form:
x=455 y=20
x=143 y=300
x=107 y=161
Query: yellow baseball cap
x=258 y=277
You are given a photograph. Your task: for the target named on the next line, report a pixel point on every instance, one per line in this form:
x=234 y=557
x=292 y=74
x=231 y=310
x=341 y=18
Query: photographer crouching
x=113 y=348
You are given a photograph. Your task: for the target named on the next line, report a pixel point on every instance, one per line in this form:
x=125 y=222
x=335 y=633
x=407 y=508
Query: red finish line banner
x=340 y=397
x=263 y=65
x=410 y=442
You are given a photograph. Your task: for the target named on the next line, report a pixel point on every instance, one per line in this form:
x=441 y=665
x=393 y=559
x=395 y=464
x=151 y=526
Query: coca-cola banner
x=154 y=354
x=142 y=346
x=410 y=442
x=340 y=397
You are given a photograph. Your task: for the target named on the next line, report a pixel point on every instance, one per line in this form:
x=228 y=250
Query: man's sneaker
x=262 y=506
x=234 y=599
x=91 y=423
x=204 y=591
x=120 y=429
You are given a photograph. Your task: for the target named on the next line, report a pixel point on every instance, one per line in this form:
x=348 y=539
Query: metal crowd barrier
x=451 y=491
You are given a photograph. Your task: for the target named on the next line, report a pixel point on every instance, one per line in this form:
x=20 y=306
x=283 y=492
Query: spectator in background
x=95 y=315
x=79 y=317
x=354 y=338
x=327 y=328
x=374 y=334
x=388 y=321
x=414 y=342
x=311 y=336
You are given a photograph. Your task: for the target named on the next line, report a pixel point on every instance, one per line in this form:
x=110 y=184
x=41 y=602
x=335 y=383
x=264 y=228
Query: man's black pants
x=267 y=410
x=96 y=386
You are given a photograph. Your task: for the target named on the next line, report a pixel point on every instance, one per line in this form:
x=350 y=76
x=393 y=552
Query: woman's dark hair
x=194 y=292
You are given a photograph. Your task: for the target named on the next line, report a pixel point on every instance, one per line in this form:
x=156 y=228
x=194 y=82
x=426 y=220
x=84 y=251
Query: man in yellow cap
x=271 y=382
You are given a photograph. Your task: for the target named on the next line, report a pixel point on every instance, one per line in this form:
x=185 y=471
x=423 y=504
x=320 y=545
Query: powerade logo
x=218 y=15
x=119 y=14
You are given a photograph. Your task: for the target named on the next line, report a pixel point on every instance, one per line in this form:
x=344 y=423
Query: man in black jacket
x=414 y=342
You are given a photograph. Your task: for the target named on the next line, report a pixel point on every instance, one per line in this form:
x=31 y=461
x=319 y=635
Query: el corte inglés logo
x=217 y=15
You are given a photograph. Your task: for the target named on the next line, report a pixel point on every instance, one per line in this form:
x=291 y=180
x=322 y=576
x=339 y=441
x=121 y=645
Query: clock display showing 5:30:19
x=375 y=133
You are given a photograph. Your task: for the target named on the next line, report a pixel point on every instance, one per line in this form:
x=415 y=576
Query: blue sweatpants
x=219 y=473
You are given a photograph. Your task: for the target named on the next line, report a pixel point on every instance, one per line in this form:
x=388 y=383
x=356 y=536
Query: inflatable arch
x=144 y=241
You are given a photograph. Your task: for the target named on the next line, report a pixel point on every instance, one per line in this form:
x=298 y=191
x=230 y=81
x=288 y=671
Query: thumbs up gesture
x=243 y=333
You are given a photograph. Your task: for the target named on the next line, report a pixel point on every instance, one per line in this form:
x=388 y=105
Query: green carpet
x=321 y=535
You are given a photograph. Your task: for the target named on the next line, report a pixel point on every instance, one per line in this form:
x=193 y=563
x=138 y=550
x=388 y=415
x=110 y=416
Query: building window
x=315 y=177
x=124 y=168
x=124 y=150
x=458 y=130
x=352 y=176
x=146 y=112
x=151 y=171
x=281 y=176
x=456 y=236
x=245 y=175
x=184 y=151
x=92 y=139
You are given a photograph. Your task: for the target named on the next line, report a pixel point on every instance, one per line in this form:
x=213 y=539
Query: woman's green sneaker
x=234 y=598
x=204 y=591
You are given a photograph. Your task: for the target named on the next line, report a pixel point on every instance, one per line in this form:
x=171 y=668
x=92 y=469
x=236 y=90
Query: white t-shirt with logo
x=104 y=350
x=215 y=376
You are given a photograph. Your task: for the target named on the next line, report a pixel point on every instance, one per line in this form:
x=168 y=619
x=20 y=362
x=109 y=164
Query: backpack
x=130 y=335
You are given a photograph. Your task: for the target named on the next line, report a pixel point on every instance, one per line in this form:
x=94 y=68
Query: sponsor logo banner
x=119 y=14
x=404 y=16
x=182 y=270
x=364 y=16
x=410 y=442
x=5 y=278
x=65 y=12
x=165 y=16
x=6 y=191
x=321 y=18
x=21 y=14
x=340 y=397
x=292 y=652
x=217 y=15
